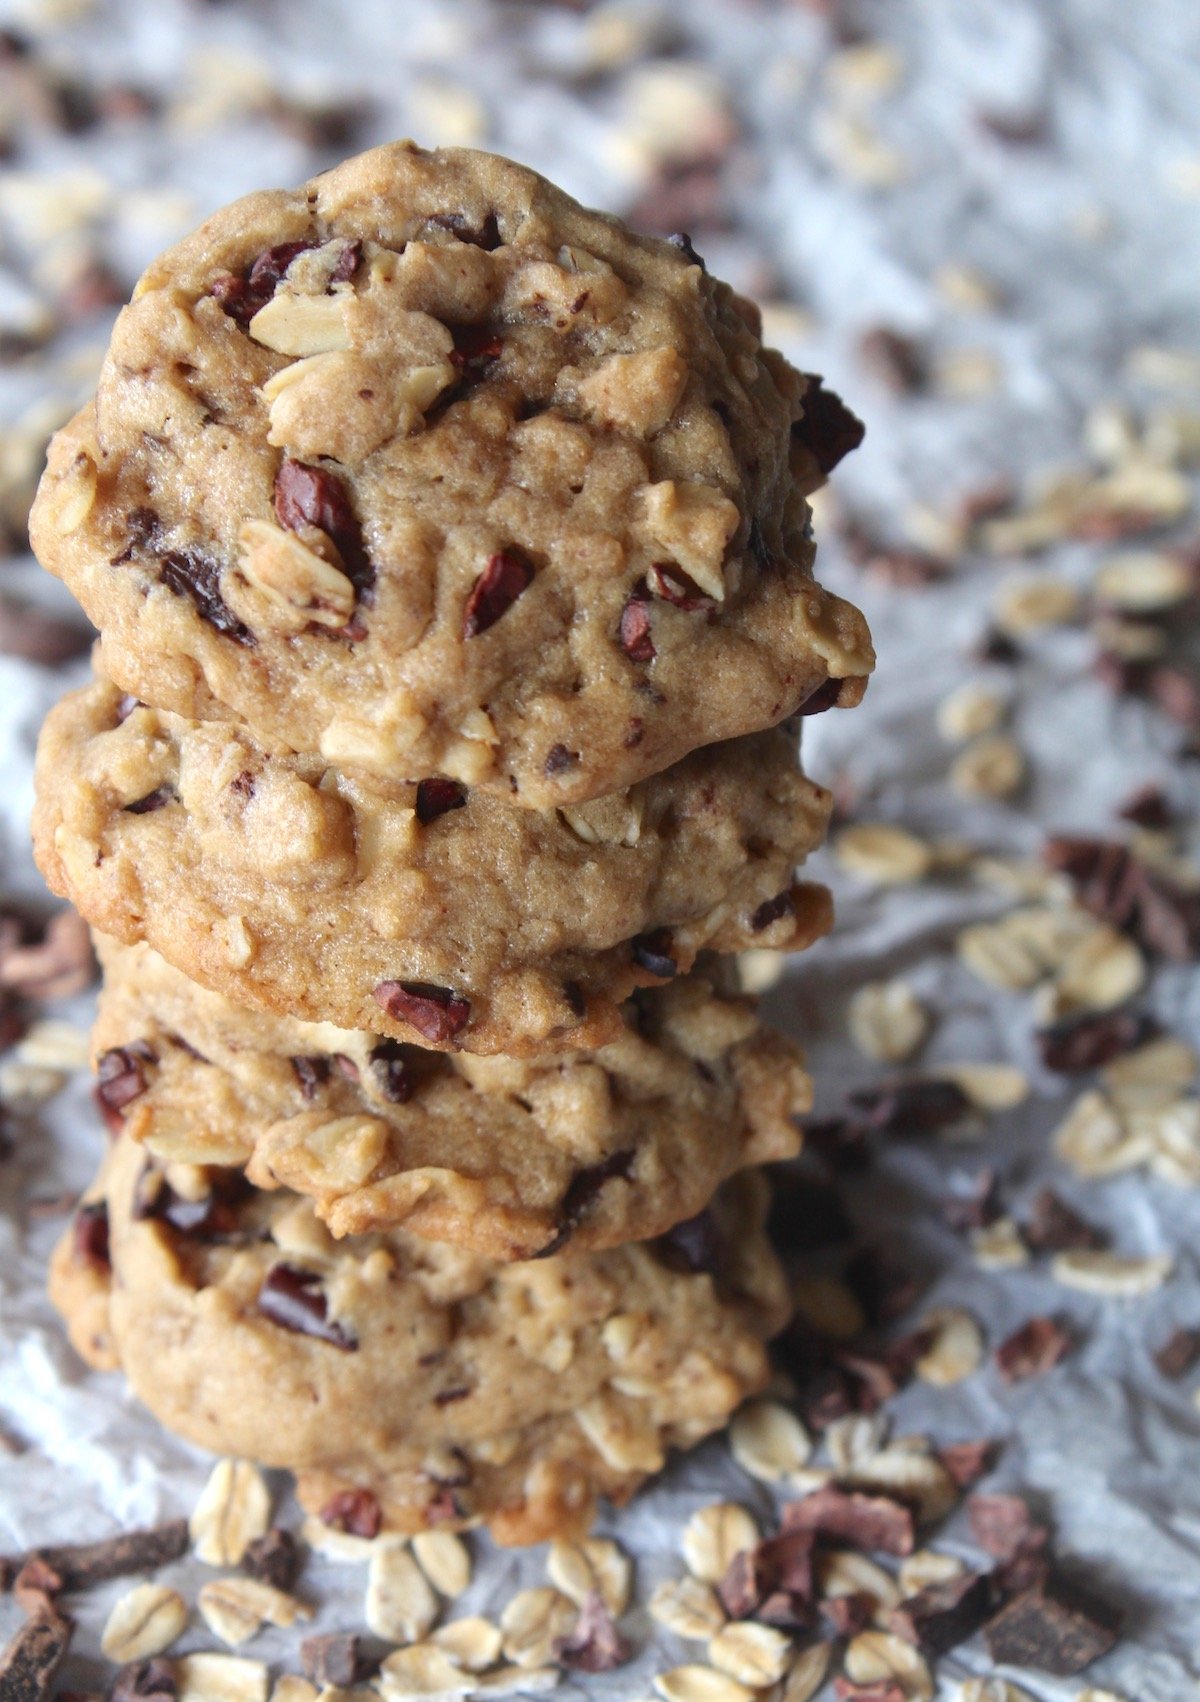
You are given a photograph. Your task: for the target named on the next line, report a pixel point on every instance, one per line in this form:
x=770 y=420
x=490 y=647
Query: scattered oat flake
x=221 y=1678
x=887 y=1021
x=998 y=1246
x=990 y=1087
x=401 y=1605
x=769 y=1441
x=234 y=1510
x=756 y=1655
x=993 y=766
x=886 y=855
x=532 y=1622
x=144 y=1622
x=688 y=1608
x=595 y=1566
x=445 y=1560
x=955 y=1347
x=700 y=1684
x=1097 y=1271
x=713 y=1536
x=875 y=1656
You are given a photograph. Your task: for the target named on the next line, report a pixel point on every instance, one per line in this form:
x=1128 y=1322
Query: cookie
x=427 y=469
x=448 y=1389
x=429 y=912
x=513 y=1159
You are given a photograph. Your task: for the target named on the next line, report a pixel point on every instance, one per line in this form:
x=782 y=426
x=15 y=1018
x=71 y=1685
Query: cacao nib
x=1004 y=1527
x=437 y=1013
x=967 y=1462
x=807 y=1213
x=824 y=697
x=146 y=1681
x=436 y=797
x=941 y=1616
x=581 y=1192
x=475 y=348
x=869 y=1522
x=827 y=429
x=1178 y=1354
x=242 y=297
x=156 y=800
x=273 y=1559
x=1034 y=1348
x=506 y=576
x=634 y=631
x=1052 y=1628
x=144 y=533
x=314 y=496
x=197 y=577
x=772 y=910
x=1087 y=1042
x=331 y=1658
x=348 y=262
x=295 y=1299
x=356 y=1511
x=652 y=952
x=213 y=1217
x=594 y=1644
x=311 y=1073
x=1120 y=889
x=693 y=1245
x=78 y=1566
x=879 y=1690
x=558 y=760
x=1055 y=1227
x=448 y=1397
x=90 y=1236
x=668 y=581
x=911 y=1107
x=121 y=1078
x=781 y=1566
x=896 y=360
x=393 y=1072
x=978 y=1206
x=485 y=235
x=1147 y=807
x=846 y=1616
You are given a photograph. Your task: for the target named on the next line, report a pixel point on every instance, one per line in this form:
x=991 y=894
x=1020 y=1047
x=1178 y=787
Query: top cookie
x=429 y=470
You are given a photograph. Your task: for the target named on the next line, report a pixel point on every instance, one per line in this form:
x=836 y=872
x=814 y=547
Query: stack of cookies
x=450 y=553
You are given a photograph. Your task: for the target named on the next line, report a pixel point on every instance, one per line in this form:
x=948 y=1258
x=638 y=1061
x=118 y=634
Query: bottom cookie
x=446 y=1388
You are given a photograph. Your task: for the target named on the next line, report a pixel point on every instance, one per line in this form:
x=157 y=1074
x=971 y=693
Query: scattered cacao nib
x=90 y=1236
x=314 y=496
x=80 y=1565
x=1147 y=807
x=997 y=647
x=242 y=297
x=1055 y=1227
x=634 y=630
x=34 y=1655
x=846 y=1616
x=977 y=1206
x=273 y=1559
x=652 y=952
x=967 y=1462
x=437 y=1013
x=156 y=800
x=666 y=579
x=189 y=573
x=121 y=1078
x=485 y=235
x=558 y=760
x=869 y=1522
x=295 y=1299
x=806 y=1214
x=911 y=1107
x=1179 y=1353
x=348 y=262
x=146 y=1681
x=772 y=910
x=393 y=1072
x=1053 y=1627
x=872 y=1381
x=685 y=194
x=682 y=241
x=508 y=573
x=1120 y=889
x=827 y=428
x=1080 y=1043
x=941 y=1616
x=475 y=348
x=331 y=1659
x=35 y=1584
x=436 y=797
x=242 y=785
x=693 y=1245
x=1004 y=1527
x=779 y=1568
x=1022 y=129
x=311 y=1073
x=356 y=1511
x=55 y=966
x=1036 y=1347
x=879 y=1690
x=896 y=360
x=594 y=1644
x=37 y=635
x=581 y=1192
x=1169 y=918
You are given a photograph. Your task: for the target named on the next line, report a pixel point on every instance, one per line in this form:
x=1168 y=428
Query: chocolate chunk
x=1178 y=1354
x=90 y=1237
x=436 y=797
x=1052 y=1628
x=941 y=1616
x=121 y=1078
x=1004 y=1527
x=827 y=428
x=475 y=348
x=594 y=1644
x=1034 y=1348
x=1087 y=1042
x=967 y=1462
x=634 y=631
x=558 y=760
x=80 y=1565
x=311 y=1073
x=652 y=952
x=772 y=910
x=693 y=1245
x=911 y=1107
x=581 y=1192
x=1147 y=807
x=437 y=1013
x=348 y=262
x=806 y=1213
x=29 y=1663
x=273 y=1559
x=874 y=1522
x=212 y=1217
x=315 y=496
x=1054 y=1227
x=393 y=1071
x=331 y=1659
x=356 y=1511
x=507 y=574
x=156 y=800
x=146 y=1681
x=666 y=579
x=190 y=574
x=242 y=297
x=825 y=696
x=295 y=1299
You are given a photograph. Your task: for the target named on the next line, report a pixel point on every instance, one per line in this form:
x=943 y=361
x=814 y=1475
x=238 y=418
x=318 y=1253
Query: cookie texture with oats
x=427 y=469
x=512 y=1159
x=418 y=1383
x=429 y=912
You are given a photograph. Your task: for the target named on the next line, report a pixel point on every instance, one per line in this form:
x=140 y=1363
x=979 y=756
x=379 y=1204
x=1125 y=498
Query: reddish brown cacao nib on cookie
x=90 y=1236
x=438 y=1013
x=559 y=759
x=315 y=496
x=506 y=576
x=772 y=910
x=295 y=1299
x=356 y=1511
x=475 y=348
x=581 y=1194
x=121 y=1076
x=673 y=585
x=436 y=797
x=827 y=428
x=242 y=297
x=634 y=631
